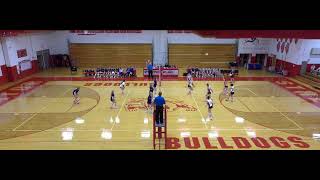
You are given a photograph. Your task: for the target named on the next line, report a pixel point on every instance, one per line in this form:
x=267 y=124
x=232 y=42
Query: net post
x=165 y=127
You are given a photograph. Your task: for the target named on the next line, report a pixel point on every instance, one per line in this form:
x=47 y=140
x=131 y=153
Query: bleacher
x=310 y=79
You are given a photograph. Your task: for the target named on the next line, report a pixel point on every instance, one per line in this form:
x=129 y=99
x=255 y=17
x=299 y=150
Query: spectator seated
x=204 y=72
x=110 y=72
x=89 y=72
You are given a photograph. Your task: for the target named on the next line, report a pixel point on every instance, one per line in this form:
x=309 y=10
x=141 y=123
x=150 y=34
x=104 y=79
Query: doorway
x=262 y=59
x=244 y=59
x=43 y=59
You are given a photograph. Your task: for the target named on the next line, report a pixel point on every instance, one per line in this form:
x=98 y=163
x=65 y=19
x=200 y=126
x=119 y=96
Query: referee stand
x=160 y=133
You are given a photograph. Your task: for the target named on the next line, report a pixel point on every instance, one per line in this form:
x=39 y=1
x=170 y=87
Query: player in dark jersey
x=113 y=100
x=75 y=94
x=155 y=83
x=149 y=102
x=151 y=88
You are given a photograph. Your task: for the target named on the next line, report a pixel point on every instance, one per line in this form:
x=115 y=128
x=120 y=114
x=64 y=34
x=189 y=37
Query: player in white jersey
x=123 y=86
x=189 y=79
x=225 y=88
x=210 y=106
x=209 y=90
x=231 y=93
x=231 y=77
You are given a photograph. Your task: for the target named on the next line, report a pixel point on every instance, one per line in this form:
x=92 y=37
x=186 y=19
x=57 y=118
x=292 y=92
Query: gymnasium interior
x=275 y=106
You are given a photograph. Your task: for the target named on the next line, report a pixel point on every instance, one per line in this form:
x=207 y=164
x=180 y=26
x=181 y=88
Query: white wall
x=307 y=45
x=58 y=42
x=31 y=42
x=39 y=42
x=260 y=46
x=2 y=62
x=294 y=54
x=298 y=52
x=16 y=43
x=190 y=38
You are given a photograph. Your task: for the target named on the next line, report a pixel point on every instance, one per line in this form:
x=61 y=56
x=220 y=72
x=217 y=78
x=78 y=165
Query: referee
x=159 y=102
x=150 y=70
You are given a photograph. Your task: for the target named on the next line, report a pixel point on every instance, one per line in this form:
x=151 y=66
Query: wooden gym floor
x=268 y=112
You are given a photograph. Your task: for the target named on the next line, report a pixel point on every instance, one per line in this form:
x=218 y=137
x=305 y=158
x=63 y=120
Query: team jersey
x=149 y=99
x=75 y=92
x=155 y=83
x=122 y=85
x=189 y=78
x=210 y=90
x=225 y=84
x=209 y=103
x=112 y=98
x=232 y=89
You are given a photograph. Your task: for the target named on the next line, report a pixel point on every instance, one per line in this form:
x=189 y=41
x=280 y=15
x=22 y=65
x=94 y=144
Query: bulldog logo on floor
x=136 y=104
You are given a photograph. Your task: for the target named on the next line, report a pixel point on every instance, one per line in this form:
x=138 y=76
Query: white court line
x=28 y=119
x=279 y=111
x=250 y=91
x=120 y=109
x=205 y=124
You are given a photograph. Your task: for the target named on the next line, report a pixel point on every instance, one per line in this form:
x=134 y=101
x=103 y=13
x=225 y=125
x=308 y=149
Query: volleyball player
x=231 y=77
x=149 y=102
x=190 y=88
x=231 y=93
x=75 y=94
x=225 y=84
x=210 y=106
x=189 y=79
x=151 y=89
x=113 y=100
x=123 y=86
x=209 y=90
x=155 y=85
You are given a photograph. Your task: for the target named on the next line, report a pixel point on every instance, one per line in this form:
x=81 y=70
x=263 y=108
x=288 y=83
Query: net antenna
x=159 y=76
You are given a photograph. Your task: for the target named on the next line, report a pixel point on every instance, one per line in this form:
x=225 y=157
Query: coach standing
x=159 y=102
x=150 y=69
